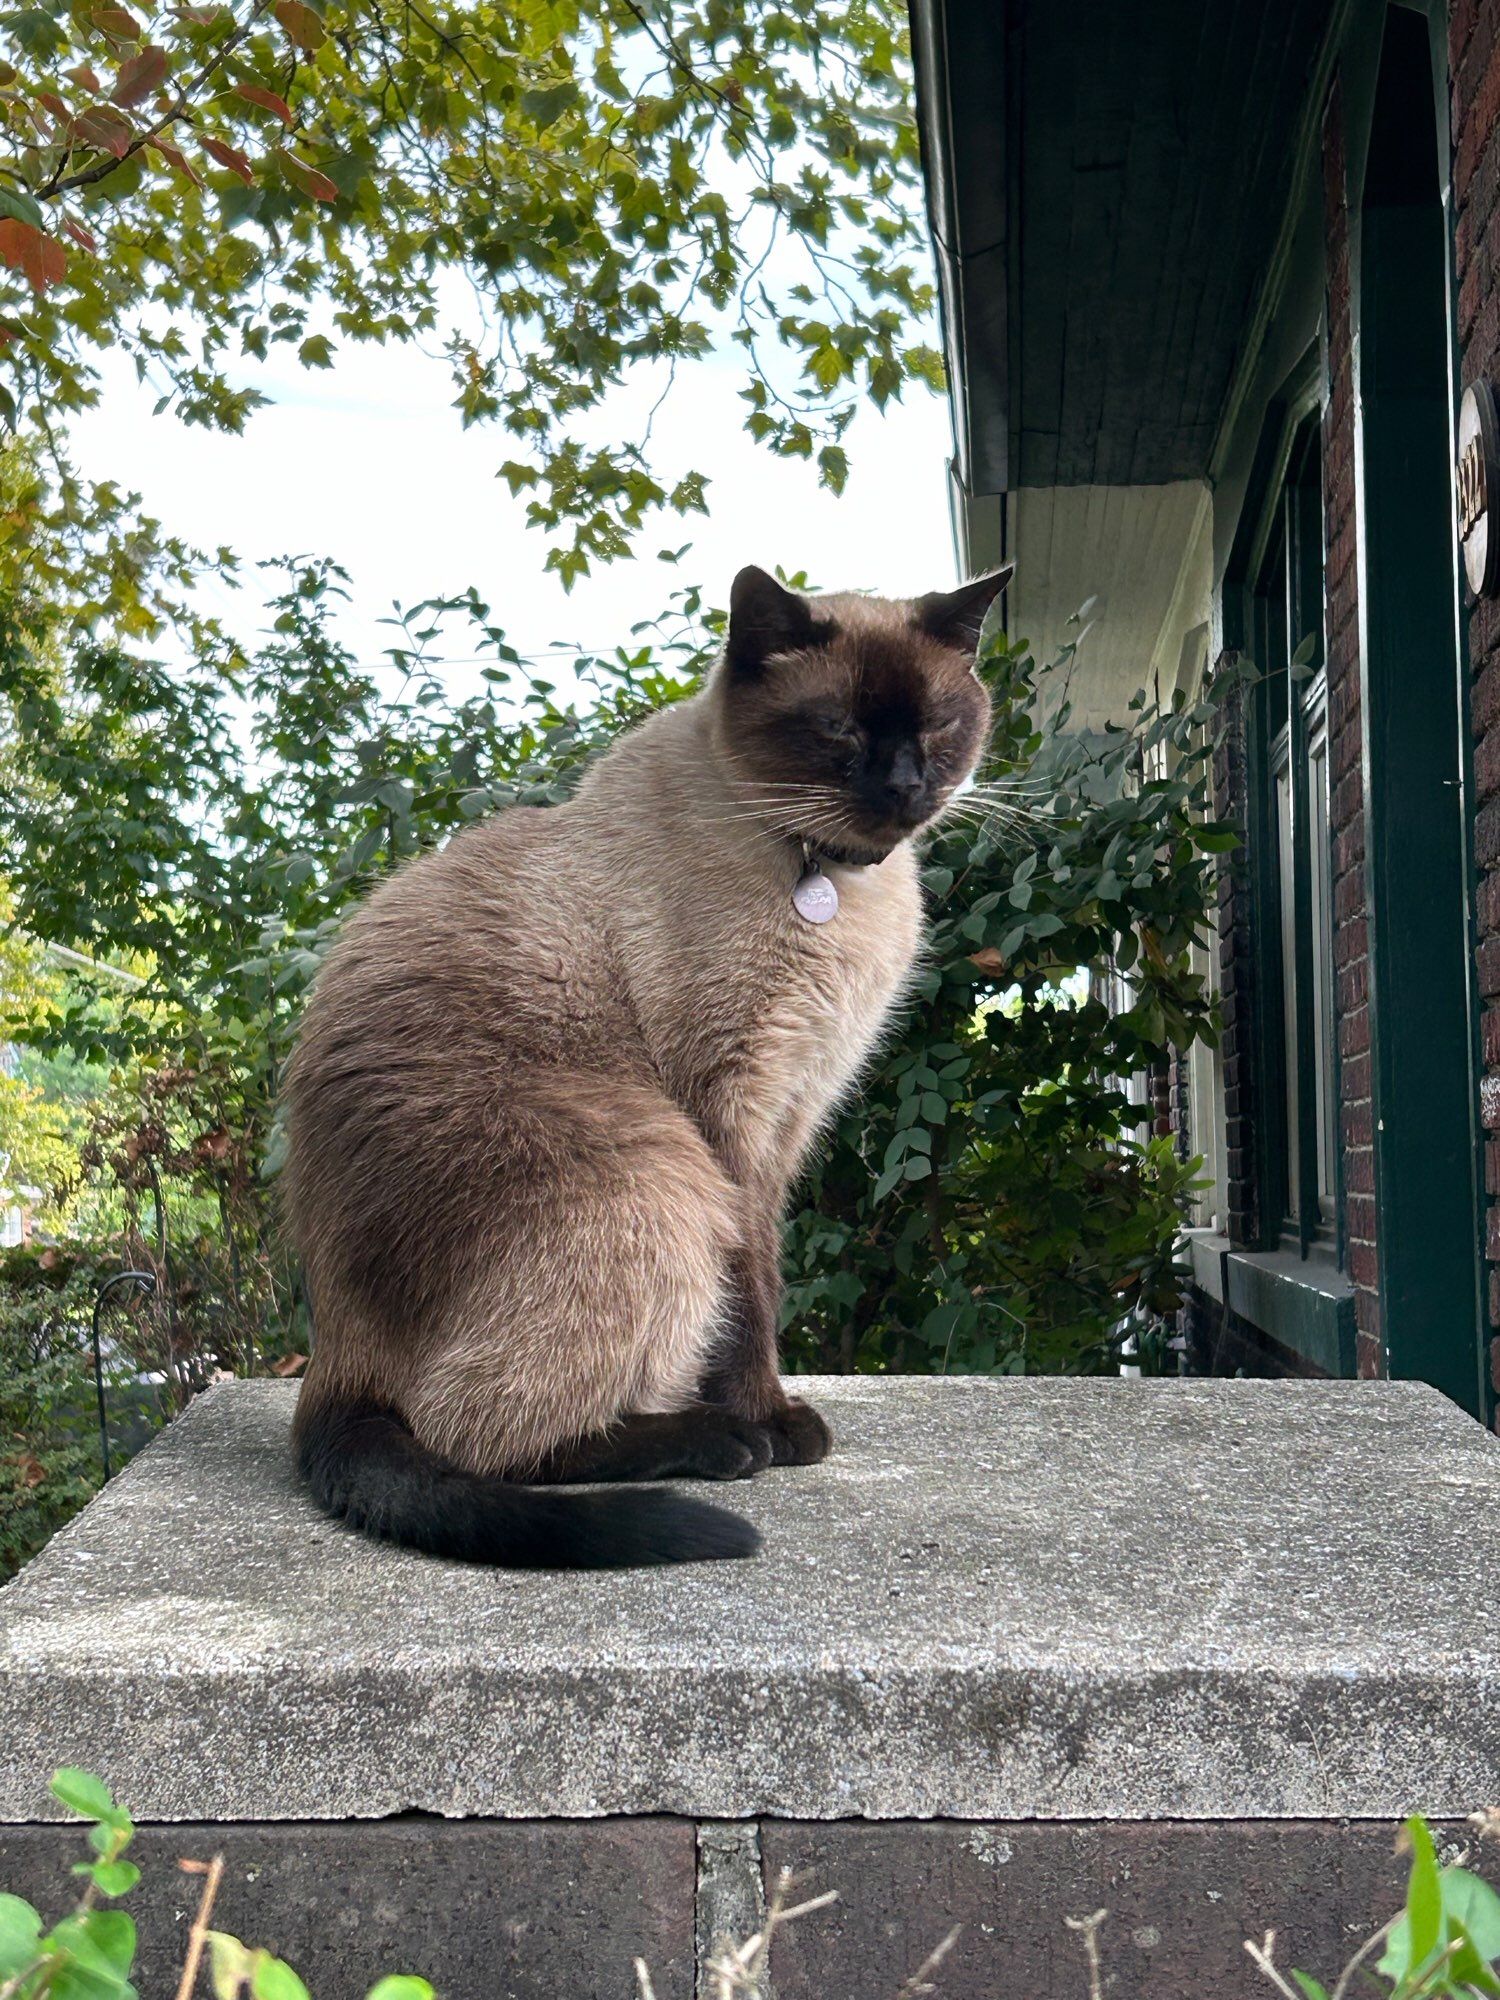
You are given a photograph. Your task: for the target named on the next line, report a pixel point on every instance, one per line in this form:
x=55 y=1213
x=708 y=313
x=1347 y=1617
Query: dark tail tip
x=661 y=1526
x=364 y=1466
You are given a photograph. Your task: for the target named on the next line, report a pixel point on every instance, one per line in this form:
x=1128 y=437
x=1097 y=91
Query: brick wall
x=1474 y=70
x=1346 y=805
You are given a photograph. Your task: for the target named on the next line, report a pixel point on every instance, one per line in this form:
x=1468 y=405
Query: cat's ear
x=766 y=618
x=955 y=616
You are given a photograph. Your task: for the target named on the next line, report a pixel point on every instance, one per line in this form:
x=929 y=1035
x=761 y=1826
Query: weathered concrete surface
x=1013 y=1599
x=489 y=1910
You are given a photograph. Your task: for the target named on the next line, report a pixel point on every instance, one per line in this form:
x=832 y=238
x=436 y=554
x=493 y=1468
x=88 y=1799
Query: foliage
x=202 y=183
x=89 y=1954
x=50 y=1461
x=989 y=1204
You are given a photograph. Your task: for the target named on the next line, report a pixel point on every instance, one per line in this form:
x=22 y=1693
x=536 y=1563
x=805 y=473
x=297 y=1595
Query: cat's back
x=483 y=944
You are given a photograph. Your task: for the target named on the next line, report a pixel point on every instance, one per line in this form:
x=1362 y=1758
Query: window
x=1294 y=867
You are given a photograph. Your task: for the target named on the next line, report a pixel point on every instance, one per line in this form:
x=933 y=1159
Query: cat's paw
x=799 y=1436
x=727 y=1447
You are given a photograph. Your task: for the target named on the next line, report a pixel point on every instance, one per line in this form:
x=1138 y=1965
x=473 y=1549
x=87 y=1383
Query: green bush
x=50 y=1458
x=990 y=1203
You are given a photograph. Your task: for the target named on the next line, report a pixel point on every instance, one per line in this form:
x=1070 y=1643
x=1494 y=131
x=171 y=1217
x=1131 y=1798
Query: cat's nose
x=906 y=786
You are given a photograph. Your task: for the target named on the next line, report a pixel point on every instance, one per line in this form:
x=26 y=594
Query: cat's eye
x=830 y=728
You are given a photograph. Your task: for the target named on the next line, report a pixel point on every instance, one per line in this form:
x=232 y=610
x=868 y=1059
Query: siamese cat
x=556 y=1078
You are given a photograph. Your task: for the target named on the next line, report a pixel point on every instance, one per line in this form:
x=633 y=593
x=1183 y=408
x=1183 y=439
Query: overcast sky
x=367 y=463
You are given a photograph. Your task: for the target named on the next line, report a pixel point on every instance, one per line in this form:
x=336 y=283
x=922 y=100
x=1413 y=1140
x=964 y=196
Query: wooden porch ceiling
x=1106 y=183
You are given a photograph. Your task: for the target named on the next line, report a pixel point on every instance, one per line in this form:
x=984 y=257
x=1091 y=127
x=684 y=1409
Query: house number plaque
x=1479 y=489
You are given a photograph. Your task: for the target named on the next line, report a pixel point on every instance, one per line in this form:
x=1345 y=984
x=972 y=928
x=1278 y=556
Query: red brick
x=1369 y=1352
x=1364 y=1265
x=1354 y=1033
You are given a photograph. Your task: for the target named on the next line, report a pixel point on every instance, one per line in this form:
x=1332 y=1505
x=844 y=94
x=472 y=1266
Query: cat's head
x=852 y=721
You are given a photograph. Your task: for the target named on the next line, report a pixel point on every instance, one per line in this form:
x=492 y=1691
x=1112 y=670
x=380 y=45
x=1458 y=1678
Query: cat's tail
x=363 y=1465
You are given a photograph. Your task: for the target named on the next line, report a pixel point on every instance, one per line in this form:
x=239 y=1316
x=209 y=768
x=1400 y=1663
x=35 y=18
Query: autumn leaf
x=266 y=99
x=231 y=157
x=84 y=238
x=108 y=131
x=140 y=75
x=86 y=78
x=175 y=157
x=319 y=186
x=115 y=22
x=30 y=251
x=301 y=24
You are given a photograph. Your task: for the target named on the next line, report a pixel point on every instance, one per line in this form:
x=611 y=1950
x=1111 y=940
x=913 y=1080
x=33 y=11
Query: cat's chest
x=807 y=1005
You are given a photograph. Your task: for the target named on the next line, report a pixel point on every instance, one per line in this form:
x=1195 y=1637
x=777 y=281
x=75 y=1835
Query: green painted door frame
x=1422 y=1023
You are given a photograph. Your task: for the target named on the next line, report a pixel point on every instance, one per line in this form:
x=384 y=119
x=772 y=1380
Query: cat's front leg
x=744 y=1375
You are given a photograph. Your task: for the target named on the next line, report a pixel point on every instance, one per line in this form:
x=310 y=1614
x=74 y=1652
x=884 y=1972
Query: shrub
x=50 y=1458
x=990 y=1203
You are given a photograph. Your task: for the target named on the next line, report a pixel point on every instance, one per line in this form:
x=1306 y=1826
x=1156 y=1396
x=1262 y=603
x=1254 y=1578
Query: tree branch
x=90 y=176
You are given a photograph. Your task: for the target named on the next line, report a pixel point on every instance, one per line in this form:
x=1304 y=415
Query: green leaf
x=545 y=107
x=228 y=1963
x=1424 y=1893
x=81 y=1792
x=20 y=1934
x=1470 y=1971
x=95 y=1951
x=115 y=1878
x=1470 y=1901
x=19 y=205
x=401 y=1986
x=1311 y=1989
x=273 y=1979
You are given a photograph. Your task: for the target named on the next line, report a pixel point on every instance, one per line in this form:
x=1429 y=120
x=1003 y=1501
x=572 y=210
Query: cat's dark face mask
x=853 y=721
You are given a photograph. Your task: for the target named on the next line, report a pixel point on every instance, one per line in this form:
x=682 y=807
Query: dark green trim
x=1437 y=21
x=1420 y=992
x=1305 y=1304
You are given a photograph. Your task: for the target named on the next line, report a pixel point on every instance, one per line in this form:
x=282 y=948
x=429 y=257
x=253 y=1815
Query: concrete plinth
x=1033 y=1614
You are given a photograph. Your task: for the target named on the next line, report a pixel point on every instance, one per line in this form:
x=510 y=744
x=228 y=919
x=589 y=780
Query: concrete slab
x=999 y=1600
